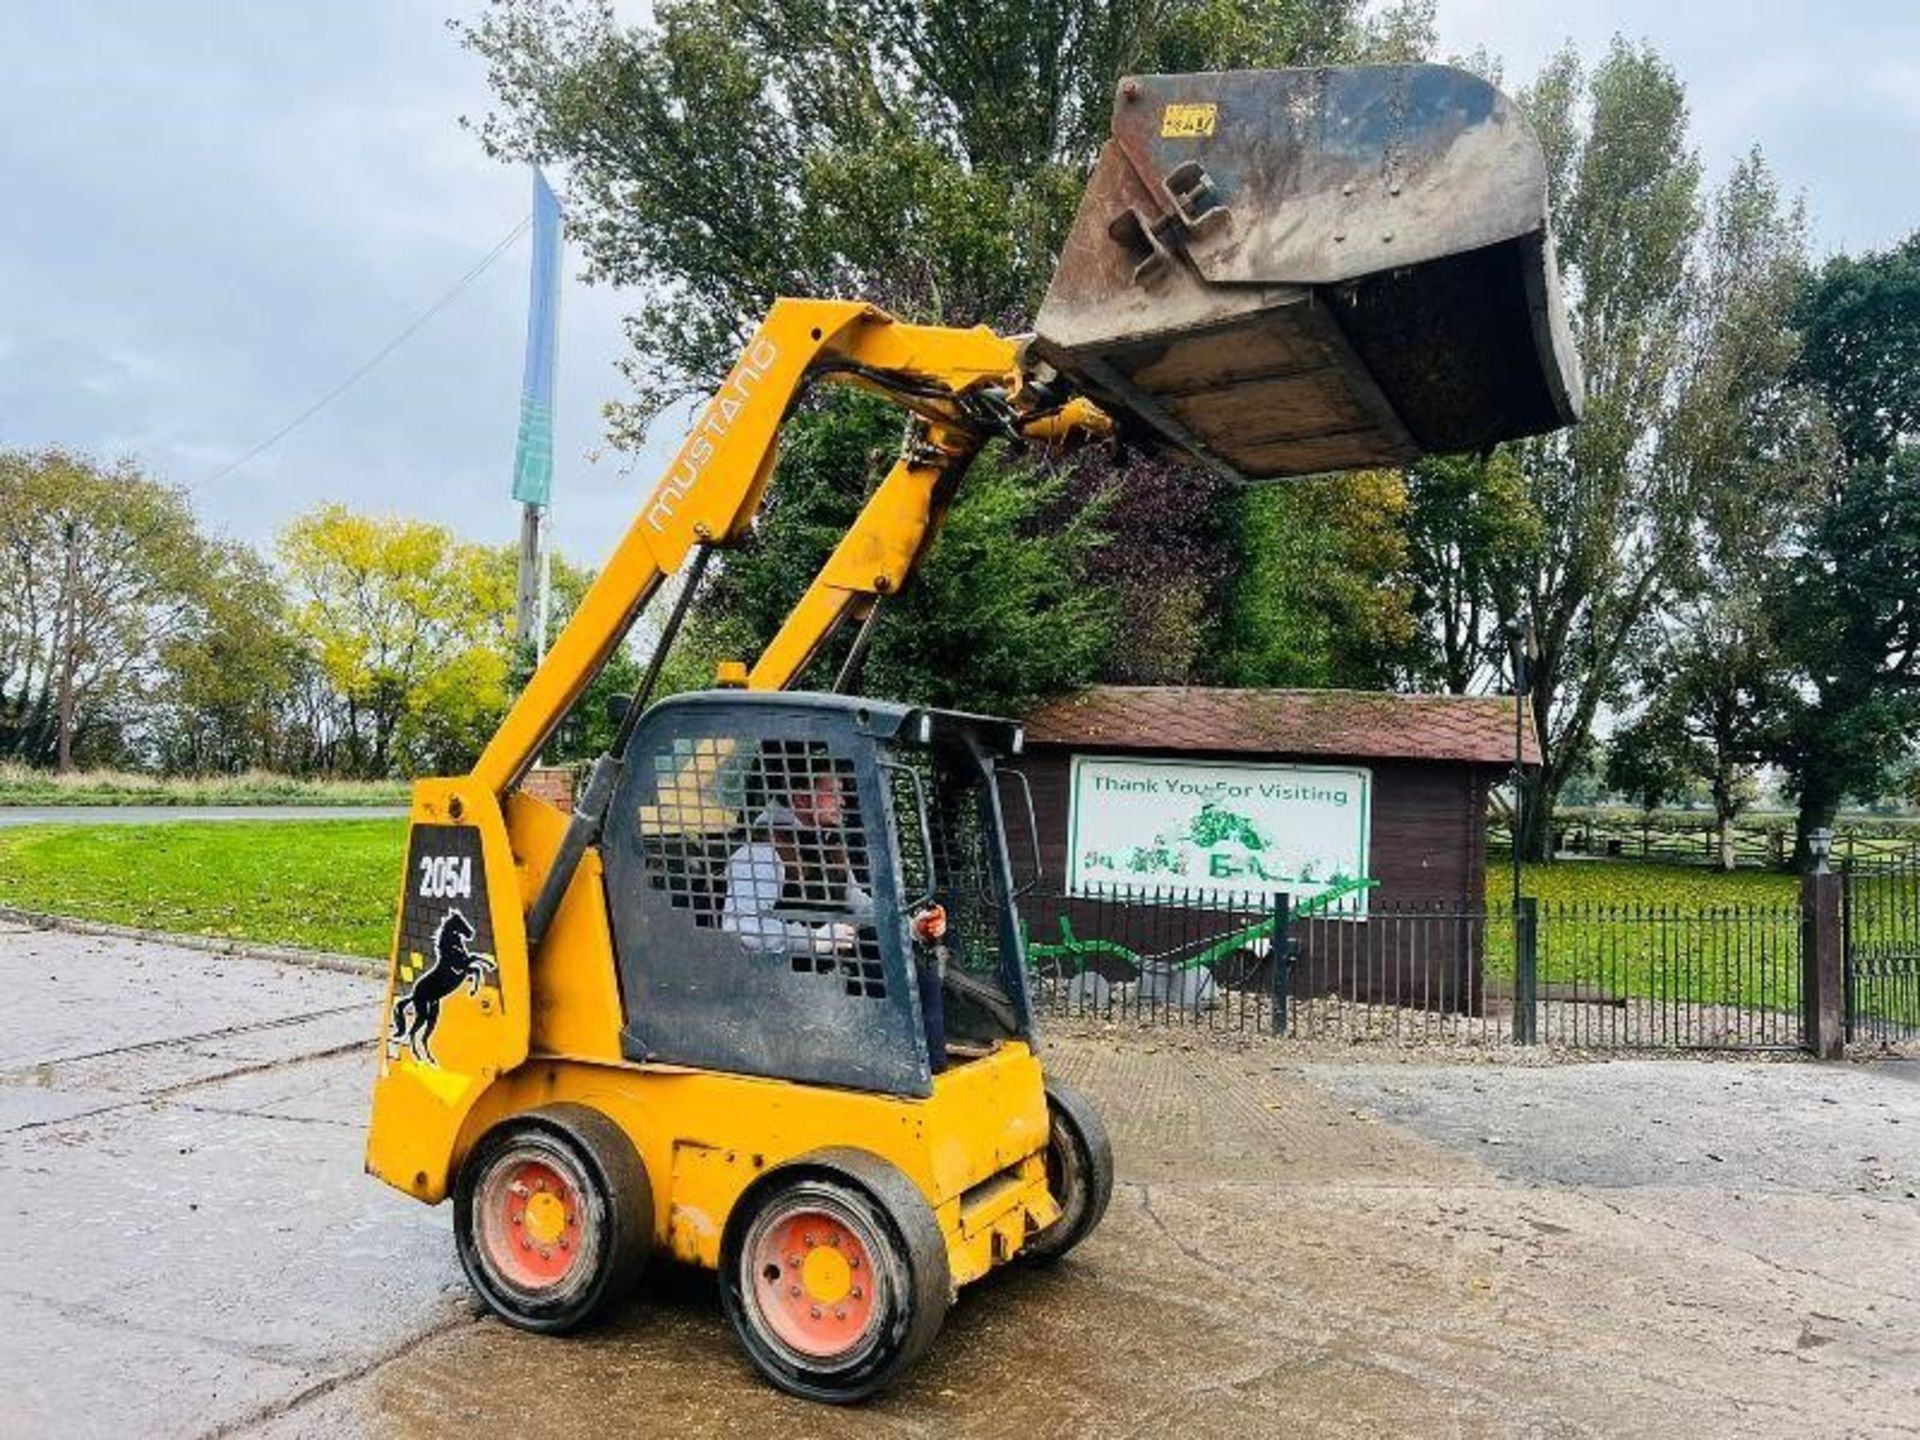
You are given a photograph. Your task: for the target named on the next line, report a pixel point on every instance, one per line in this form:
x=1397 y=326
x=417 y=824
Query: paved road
x=1350 y=1249
x=151 y=814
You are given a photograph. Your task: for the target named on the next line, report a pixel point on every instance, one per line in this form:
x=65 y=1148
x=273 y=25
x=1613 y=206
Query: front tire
x=553 y=1218
x=1079 y=1173
x=834 y=1275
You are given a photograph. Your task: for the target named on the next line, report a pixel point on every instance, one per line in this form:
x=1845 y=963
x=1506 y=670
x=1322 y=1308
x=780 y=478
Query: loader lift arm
x=962 y=388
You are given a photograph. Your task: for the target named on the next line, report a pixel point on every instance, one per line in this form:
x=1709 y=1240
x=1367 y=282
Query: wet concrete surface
x=156 y=814
x=1344 y=1249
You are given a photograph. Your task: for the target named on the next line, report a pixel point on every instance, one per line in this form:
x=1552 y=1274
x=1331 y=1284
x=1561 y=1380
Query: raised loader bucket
x=1292 y=271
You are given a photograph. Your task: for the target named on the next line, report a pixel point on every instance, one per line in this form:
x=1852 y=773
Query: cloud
x=216 y=211
x=222 y=210
x=1827 y=91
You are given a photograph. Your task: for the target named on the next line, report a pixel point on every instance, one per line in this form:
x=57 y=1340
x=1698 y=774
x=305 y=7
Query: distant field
x=324 y=885
x=20 y=785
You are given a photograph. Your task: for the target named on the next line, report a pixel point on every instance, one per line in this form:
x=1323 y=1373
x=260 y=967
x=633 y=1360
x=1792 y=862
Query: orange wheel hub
x=536 y=1241
x=814 y=1282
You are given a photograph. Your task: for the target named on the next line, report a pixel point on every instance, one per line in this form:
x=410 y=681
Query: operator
x=798 y=846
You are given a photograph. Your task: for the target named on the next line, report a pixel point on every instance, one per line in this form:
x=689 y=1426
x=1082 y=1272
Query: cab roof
x=882 y=719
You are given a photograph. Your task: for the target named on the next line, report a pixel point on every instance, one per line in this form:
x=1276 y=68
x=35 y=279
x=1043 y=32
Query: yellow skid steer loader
x=760 y=1003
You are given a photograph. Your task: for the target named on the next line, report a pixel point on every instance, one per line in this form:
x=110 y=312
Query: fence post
x=1822 y=1002
x=1526 y=969
x=1281 y=948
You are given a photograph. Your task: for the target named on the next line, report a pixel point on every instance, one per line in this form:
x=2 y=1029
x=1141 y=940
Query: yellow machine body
x=975 y=1147
x=1186 y=310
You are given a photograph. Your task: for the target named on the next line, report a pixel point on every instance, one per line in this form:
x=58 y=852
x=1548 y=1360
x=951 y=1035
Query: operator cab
x=765 y=855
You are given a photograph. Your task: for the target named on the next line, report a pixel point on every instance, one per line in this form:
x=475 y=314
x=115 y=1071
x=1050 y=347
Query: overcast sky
x=214 y=212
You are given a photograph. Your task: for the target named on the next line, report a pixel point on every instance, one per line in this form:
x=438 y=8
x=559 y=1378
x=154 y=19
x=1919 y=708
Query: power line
x=382 y=353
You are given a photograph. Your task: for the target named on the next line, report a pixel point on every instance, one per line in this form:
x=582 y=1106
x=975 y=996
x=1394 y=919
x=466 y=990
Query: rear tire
x=1079 y=1173
x=553 y=1218
x=833 y=1273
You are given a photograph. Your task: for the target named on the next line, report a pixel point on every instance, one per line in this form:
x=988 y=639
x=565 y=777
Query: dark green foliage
x=1852 y=627
x=927 y=158
x=1314 y=594
x=1000 y=615
x=1860 y=318
x=1849 y=597
x=1472 y=533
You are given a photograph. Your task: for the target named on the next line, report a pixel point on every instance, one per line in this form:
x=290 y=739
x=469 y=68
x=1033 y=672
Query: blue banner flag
x=533 y=455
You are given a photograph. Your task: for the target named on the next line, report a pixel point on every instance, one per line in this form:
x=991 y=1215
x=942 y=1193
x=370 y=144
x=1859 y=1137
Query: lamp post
x=1820 y=847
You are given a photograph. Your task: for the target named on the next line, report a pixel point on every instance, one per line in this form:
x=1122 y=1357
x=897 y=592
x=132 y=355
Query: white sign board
x=1143 y=826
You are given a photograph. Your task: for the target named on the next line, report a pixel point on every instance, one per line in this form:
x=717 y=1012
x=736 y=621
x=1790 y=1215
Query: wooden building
x=1382 y=809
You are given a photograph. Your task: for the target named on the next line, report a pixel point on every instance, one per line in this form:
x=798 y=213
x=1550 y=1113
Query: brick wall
x=551 y=783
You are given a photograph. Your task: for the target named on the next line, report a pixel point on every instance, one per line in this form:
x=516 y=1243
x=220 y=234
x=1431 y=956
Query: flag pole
x=533 y=450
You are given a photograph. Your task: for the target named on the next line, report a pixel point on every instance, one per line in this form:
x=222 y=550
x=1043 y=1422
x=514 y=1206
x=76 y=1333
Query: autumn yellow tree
x=411 y=628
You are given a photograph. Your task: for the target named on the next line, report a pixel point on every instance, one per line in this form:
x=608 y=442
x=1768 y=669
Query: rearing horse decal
x=416 y=1013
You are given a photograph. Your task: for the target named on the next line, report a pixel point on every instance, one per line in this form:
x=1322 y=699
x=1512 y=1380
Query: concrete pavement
x=1350 y=1249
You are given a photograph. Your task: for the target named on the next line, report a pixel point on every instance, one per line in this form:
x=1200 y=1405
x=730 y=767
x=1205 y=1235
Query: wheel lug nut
x=840 y=1313
x=563 y=1242
x=816 y=1312
x=794 y=1291
x=856 y=1292
x=808 y=1240
x=526 y=1242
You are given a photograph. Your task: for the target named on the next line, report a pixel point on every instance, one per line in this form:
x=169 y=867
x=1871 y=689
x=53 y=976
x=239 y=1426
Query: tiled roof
x=1361 y=723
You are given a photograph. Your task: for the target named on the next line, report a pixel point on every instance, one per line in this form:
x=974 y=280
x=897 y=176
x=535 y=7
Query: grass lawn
x=1645 y=928
x=20 y=785
x=1640 y=882
x=324 y=885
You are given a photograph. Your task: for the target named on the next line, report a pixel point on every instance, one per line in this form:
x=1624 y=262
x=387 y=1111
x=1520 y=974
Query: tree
x=411 y=629
x=1315 y=594
x=1849 y=601
x=100 y=568
x=1000 y=614
x=1721 y=697
x=1851 y=612
x=228 y=698
x=1649 y=762
x=1742 y=442
x=928 y=158
x=1472 y=531
x=1623 y=187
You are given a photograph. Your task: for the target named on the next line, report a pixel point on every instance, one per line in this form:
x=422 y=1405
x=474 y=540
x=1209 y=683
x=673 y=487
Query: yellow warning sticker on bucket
x=1187 y=120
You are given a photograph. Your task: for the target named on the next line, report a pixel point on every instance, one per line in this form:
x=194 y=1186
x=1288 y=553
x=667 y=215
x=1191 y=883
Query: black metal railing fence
x=1880 y=928
x=1470 y=972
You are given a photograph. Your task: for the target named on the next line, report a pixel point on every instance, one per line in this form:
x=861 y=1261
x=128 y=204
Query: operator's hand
x=930 y=924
